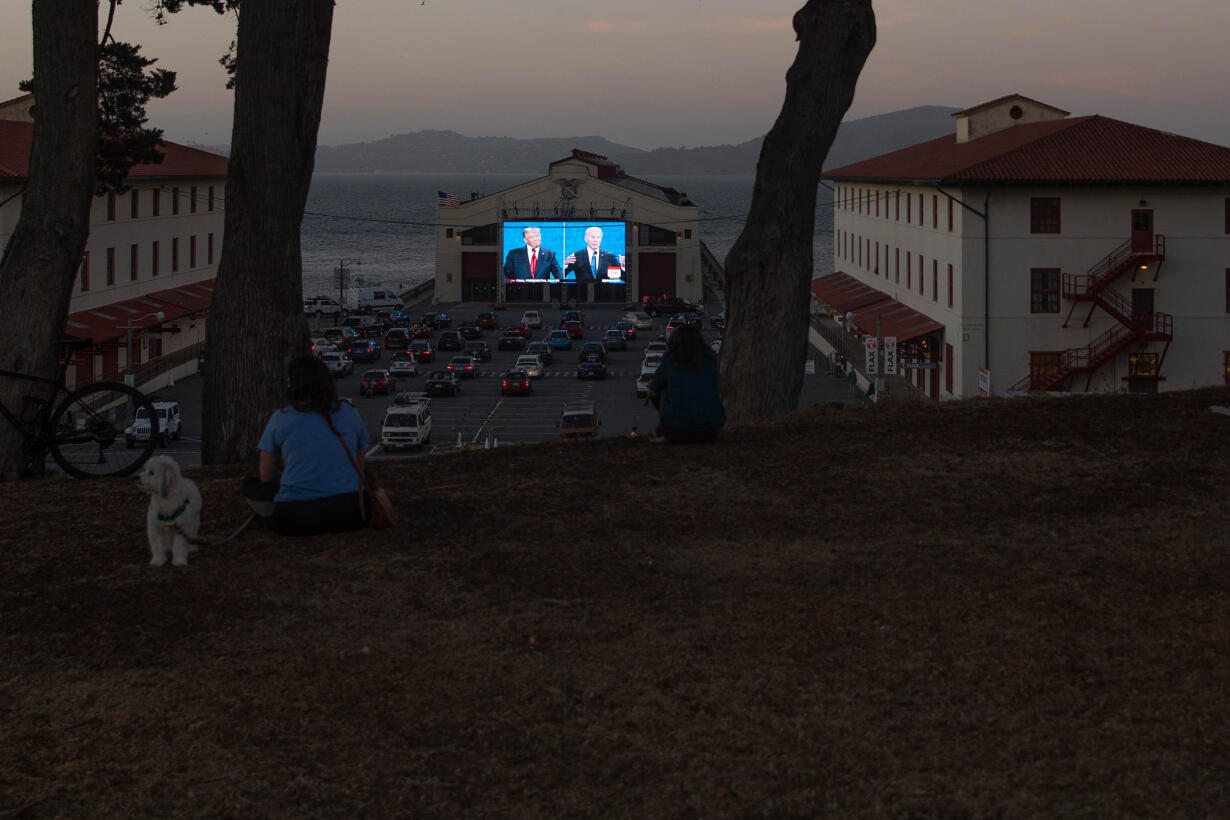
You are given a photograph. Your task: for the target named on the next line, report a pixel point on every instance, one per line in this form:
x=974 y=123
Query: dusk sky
x=652 y=73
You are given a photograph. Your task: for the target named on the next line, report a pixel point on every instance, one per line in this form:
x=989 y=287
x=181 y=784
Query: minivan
x=407 y=422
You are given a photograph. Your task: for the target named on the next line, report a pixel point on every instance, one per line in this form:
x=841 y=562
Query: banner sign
x=872 y=345
x=890 y=355
x=984 y=382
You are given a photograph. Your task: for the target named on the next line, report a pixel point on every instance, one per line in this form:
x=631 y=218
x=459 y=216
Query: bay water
x=381 y=227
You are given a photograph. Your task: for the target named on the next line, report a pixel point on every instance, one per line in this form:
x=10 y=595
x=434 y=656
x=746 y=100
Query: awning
x=895 y=320
x=844 y=293
x=111 y=321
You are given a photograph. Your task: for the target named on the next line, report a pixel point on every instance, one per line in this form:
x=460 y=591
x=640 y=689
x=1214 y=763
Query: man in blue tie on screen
x=531 y=260
x=591 y=263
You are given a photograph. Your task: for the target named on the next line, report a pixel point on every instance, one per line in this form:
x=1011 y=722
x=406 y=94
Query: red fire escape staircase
x=1092 y=287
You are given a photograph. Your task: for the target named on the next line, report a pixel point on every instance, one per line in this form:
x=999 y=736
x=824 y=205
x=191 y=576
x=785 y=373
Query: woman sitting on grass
x=685 y=390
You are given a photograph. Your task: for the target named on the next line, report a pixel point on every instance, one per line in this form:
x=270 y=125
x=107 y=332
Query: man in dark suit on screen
x=591 y=263
x=531 y=260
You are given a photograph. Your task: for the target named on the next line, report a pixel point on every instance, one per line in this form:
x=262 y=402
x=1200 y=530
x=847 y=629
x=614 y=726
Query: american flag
x=445 y=200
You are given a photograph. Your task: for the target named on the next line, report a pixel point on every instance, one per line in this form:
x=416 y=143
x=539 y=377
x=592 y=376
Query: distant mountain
x=448 y=151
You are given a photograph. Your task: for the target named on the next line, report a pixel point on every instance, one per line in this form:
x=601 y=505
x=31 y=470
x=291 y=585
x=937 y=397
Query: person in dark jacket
x=685 y=390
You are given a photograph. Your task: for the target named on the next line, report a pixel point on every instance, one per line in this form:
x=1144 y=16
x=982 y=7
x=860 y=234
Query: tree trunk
x=40 y=263
x=256 y=324
x=769 y=269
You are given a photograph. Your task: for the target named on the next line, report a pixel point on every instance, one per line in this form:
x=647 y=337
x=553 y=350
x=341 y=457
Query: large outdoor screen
x=565 y=251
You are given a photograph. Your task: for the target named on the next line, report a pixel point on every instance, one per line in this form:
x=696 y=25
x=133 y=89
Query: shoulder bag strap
x=354 y=462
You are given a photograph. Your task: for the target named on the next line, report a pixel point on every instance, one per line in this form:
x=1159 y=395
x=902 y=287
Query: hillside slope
x=986 y=608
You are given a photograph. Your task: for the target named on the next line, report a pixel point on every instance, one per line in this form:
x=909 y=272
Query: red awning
x=843 y=292
x=111 y=321
x=895 y=320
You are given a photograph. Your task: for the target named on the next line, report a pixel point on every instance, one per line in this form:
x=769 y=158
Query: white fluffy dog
x=174 y=510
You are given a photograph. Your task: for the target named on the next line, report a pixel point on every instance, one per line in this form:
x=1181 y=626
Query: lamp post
x=130 y=377
x=341 y=279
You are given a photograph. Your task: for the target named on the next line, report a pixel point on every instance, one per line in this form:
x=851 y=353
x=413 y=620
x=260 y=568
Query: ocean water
x=382 y=226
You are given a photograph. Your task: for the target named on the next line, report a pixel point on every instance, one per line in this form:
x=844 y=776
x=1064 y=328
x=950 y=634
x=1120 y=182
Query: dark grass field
x=987 y=608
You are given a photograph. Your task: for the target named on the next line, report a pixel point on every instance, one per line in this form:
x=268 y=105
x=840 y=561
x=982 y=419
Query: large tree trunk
x=41 y=261
x=769 y=269
x=256 y=324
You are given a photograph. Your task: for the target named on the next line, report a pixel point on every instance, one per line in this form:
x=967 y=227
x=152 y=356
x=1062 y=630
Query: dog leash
x=201 y=543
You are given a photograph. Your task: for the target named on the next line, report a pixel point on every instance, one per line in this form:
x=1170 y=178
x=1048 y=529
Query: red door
x=656 y=274
x=1142 y=230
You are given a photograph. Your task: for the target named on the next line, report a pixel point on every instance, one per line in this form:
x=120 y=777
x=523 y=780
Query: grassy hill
x=1006 y=608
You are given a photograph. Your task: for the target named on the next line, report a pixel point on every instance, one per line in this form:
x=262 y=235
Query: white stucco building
x=660 y=227
x=153 y=249
x=1051 y=252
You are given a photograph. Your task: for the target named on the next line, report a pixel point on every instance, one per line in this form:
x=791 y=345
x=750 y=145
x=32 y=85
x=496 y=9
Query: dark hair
x=688 y=346
x=311 y=386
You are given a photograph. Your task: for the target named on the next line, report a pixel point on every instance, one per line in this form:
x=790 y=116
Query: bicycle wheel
x=86 y=434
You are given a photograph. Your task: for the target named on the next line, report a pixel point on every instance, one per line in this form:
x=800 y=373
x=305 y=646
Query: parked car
x=593 y=349
x=532 y=318
x=320 y=306
x=627 y=328
x=531 y=364
x=365 y=350
x=462 y=366
x=169 y=425
x=337 y=337
x=542 y=350
x=614 y=339
x=397 y=339
x=470 y=332
x=407 y=422
x=510 y=340
x=591 y=367
x=674 y=322
x=525 y=330
x=403 y=364
x=322 y=345
x=339 y=364
x=450 y=340
x=640 y=318
x=671 y=306
x=421 y=331
x=487 y=321
x=571 y=316
x=441 y=383
x=579 y=421
x=718 y=321
x=516 y=381
x=655 y=348
x=651 y=364
x=642 y=384
x=478 y=350
x=421 y=350
x=443 y=320
x=377 y=381
x=574 y=329
x=559 y=340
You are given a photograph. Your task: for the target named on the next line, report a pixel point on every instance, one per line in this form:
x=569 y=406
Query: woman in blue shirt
x=685 y=389
x=317 y=490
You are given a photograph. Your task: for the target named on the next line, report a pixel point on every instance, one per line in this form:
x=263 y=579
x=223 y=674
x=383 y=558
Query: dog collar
x=169 y=520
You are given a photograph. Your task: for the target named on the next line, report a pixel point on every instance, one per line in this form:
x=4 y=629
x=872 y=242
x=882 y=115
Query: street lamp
x=130 y=377
x=341 y=278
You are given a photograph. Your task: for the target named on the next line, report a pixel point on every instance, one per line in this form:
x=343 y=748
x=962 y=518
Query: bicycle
x=88 y=430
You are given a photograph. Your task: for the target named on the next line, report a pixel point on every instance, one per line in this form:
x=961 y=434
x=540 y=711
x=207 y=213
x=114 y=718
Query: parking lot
x=479 y=416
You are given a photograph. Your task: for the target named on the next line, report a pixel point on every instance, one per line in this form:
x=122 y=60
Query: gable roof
x=1080 y=150
x=179 y=160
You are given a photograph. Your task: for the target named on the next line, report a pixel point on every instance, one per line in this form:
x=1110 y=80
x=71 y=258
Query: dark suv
x=365 y=350
x=478 y=351
x=671 y=306
x=450 y=340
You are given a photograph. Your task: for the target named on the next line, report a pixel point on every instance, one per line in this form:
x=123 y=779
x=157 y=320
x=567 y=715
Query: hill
x=450 y=152
x=985 y=608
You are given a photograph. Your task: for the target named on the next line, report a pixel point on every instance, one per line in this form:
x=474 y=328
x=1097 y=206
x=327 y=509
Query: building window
x=909 y=266
x=1044 y=214
x=136 y=204
x=935 y=211
x=920 y=209
x=1142 y=365
x=1044 y=290
x=192 y=252
x=192 y=199
x=950 y=214
x=85 y=271
x=157 y=203
x=132 y=262
x=859 y=240
x=211 y=197
x=1227 y=290
x=909 y=208
x=877 y=268
x=174 y=254
x=1225 y=366
x=935 y=280
x=897 y=208
x=154 y=258
x=110 y=266
x=921 y=267
x=210 y=259
x=111 y=206
x=897 y=264
x=877 y=203
x=948 y=368
x=647 y=235
x=1228 y=214
x=174 y=202
x=950 y=285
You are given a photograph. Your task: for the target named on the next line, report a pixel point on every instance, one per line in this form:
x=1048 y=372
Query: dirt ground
x=986 y=608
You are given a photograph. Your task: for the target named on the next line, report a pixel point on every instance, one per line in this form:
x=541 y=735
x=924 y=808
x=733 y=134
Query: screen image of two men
x=529 y=260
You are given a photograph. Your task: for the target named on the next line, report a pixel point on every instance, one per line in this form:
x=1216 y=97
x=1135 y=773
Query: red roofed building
x=1045 y=251
x=153 y=249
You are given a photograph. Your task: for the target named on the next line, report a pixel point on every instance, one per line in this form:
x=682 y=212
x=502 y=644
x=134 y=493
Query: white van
x=407 y=422
x=377 y=298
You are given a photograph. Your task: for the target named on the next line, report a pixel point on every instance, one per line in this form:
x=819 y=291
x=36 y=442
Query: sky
x=655 y=73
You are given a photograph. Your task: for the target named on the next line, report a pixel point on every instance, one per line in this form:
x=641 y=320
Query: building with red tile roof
x=153 y=249
x=1036 y=250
